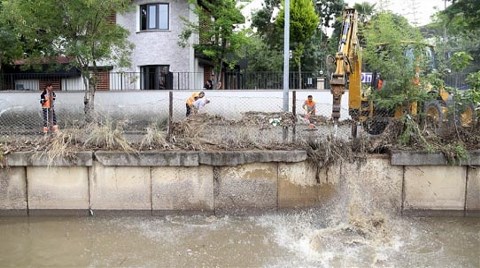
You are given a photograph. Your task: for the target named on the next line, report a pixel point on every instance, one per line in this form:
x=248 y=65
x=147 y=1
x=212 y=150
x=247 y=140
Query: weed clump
x=107 y=136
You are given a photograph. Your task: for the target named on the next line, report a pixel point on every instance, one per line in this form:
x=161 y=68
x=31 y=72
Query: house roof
x=46 y=60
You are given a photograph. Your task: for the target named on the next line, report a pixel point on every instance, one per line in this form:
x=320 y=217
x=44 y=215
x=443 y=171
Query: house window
x=156 y=77
x=154 y=17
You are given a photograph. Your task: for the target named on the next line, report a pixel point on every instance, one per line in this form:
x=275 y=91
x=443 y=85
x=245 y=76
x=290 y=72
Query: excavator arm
x=348 y=68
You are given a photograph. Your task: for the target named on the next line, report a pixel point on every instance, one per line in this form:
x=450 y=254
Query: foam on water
x=358 y=227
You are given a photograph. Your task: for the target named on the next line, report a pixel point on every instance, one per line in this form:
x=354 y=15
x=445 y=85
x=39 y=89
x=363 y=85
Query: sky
x=418 y=12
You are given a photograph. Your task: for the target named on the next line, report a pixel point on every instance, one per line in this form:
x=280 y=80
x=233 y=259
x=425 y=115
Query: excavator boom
x=348 y=66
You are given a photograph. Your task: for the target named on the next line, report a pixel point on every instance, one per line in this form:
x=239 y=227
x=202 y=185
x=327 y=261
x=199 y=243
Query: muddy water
x=300 y=239
x=357 y=225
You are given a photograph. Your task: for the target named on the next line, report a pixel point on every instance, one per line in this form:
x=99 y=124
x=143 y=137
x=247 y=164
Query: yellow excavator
x=348 y=74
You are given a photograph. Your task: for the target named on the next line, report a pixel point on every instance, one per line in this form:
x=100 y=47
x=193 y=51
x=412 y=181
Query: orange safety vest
x=310 y=104
x=47 y=99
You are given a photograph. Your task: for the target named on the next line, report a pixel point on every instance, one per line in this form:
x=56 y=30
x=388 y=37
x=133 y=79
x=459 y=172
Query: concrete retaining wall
x=432 y=187
x=232 y=182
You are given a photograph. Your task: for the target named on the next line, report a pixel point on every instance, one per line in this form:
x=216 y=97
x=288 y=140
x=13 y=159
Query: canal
x=307 y=238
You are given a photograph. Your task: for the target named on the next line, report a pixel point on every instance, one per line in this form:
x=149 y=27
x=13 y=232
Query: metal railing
x=124 y=81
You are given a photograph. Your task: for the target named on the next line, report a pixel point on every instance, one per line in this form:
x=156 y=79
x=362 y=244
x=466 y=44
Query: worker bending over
x=191 y=100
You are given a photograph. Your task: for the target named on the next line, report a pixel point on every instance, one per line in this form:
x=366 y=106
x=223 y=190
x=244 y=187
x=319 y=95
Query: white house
x=154 y=27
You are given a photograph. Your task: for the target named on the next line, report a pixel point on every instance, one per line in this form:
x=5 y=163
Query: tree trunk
x=89 y=101
x=219 y=82
x=218 y=75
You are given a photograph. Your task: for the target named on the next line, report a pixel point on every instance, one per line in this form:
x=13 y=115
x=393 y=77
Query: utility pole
x=286 y=62
x=286 y=55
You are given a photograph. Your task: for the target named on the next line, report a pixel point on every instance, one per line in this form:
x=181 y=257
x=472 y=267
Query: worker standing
x=189 y=103
x=47 y=99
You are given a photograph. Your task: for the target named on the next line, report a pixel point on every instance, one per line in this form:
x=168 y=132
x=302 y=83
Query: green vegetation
x=219 y=40
x=303 y=22
x=388 y=38
x=79 y=30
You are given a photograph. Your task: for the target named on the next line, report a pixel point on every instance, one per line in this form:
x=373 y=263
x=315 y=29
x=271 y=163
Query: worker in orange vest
x=310 y=108
x=189 y=104
x=47 y=99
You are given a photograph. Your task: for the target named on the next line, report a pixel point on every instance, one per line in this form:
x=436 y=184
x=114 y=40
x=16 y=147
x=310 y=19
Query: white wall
x=158 y=47
x=227 y=103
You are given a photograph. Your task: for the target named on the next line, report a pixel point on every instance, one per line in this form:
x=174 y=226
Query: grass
x=108 y=136
x=210 y=133
x=61 y=145
x=155 y=137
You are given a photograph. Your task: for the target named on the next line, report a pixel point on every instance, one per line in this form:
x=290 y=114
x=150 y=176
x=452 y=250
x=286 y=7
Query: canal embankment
x=243 y=182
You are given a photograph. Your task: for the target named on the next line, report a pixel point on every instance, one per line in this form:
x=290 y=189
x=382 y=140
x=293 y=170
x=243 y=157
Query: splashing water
x=361 y=227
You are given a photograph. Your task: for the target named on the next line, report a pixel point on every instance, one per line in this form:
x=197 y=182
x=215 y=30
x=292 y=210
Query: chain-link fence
x=232 y=118
x=253 y=115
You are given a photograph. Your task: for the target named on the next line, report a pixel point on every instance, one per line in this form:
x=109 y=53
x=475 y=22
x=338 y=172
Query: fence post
x=121 y=81
x=294 y=112
x=170 y=114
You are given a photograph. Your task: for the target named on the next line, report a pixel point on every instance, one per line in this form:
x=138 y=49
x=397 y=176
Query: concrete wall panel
x=120 y=188
x=473 y=190
x=57 y=187
x=182 y=188
x=297 y=185
x=246 y=187
x=435 y=188
x=13 y=190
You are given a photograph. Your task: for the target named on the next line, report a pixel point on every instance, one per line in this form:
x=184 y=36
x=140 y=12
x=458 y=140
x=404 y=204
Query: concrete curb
x=38 y=159
x=248 y=157
x=148 y=159
x=422 y=158
x=193 y=159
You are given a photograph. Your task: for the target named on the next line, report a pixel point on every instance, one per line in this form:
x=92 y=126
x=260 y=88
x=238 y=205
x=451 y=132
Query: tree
x=262 y=22
x=10 y=45
x=365 y=11
x=316 y=47
x=331 y=13
x=454 y=32
x=219 y=40
x=80 y=30
x=329 y=10
x=261 y=58
x=467 y=10
x=394 y=48
x=303 y=22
